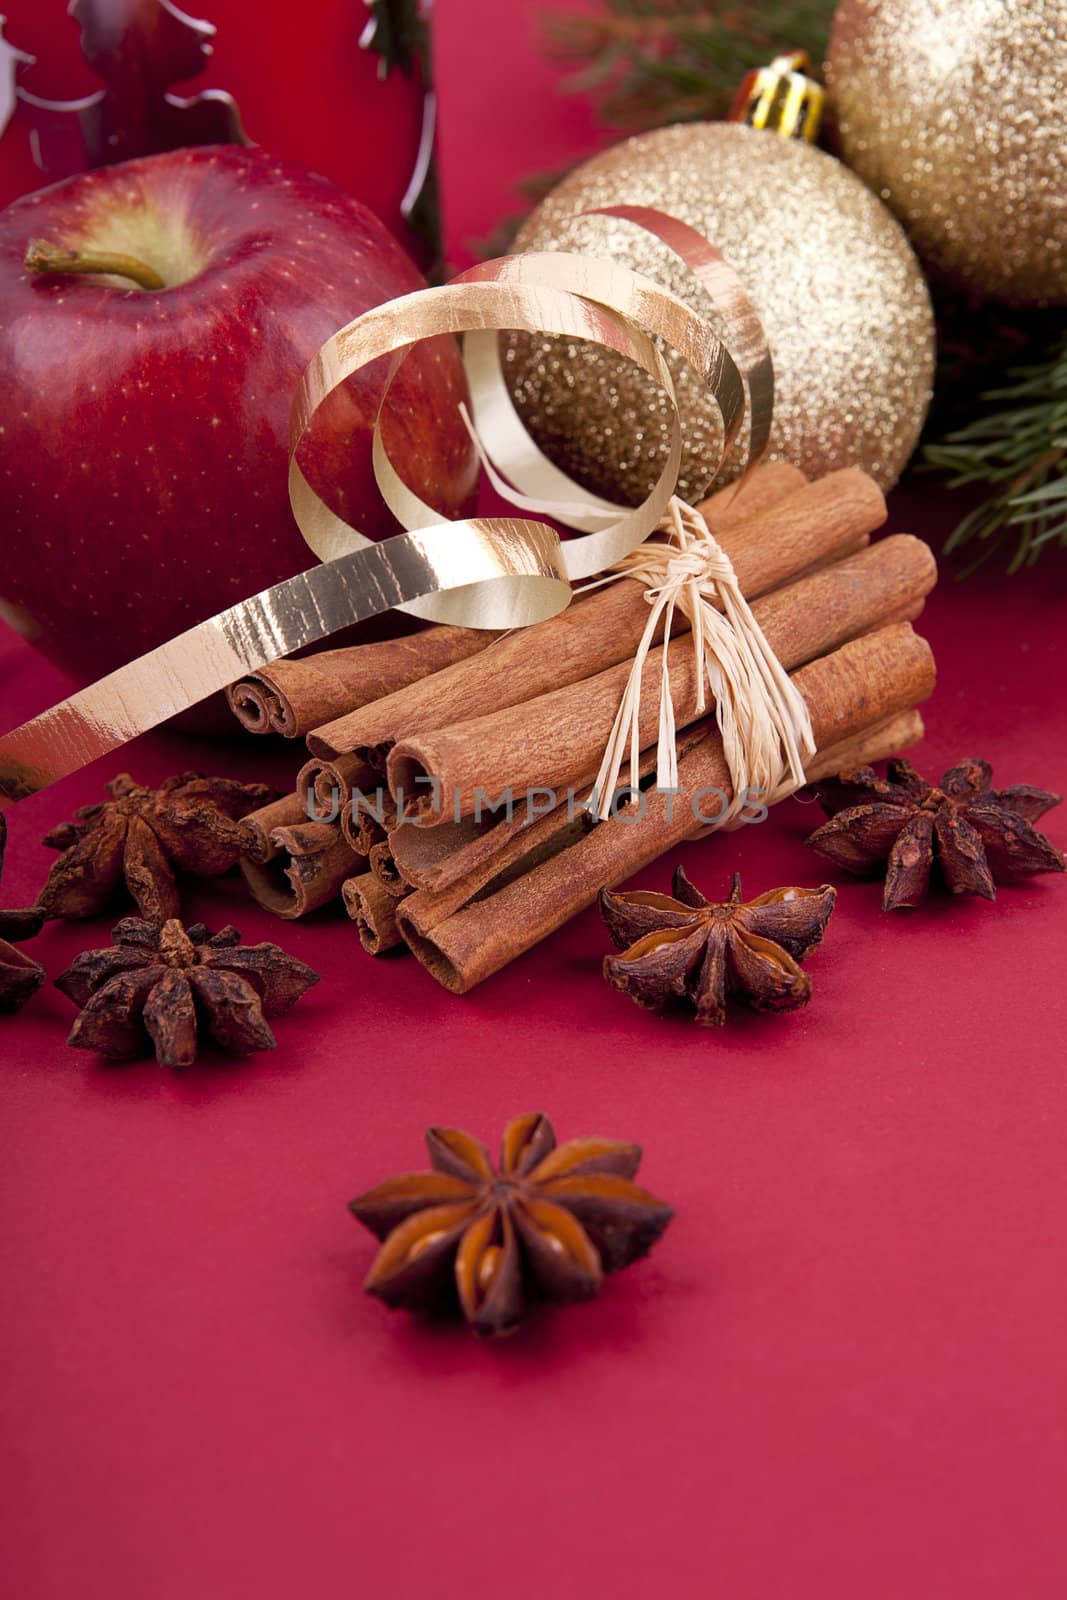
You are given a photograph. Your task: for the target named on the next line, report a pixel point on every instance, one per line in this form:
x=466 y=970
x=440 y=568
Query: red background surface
x=302 y=84
x=843 y=1370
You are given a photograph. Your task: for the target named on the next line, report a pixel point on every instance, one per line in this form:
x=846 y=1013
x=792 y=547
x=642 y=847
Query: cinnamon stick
x=367 y=818
x=328 y=786
x=384 y=868
x=260 y=825
x=292 y=697
x=863 y=682
x=464 y=857
x=810 y=526
x=427 y=856
x=249 y=702
x=373 y=910
x=559 y=738
x=426 y=909
x=311 y=861
x=762 y=489
x=877 y=743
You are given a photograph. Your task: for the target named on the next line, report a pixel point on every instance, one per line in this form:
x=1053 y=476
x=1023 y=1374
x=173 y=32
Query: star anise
x=690 y=948
x=143 y=837
x=979 y=836
x=554 y=1218
x=158 y=985
x=20 y=974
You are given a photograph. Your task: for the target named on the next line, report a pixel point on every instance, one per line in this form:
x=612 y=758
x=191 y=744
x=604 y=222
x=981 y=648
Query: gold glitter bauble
x=840 y=293
x=955 y=111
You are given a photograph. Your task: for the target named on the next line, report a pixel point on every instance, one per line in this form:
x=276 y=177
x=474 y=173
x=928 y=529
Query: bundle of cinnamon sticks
x=448 y=769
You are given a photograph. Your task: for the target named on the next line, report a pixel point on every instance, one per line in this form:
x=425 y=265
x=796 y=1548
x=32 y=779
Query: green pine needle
x=653 y=62
x=1018 y=451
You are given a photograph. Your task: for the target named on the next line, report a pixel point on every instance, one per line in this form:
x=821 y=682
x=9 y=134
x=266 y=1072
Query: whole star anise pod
x=20 y=974
x=143 y=838
x=979 y=836
x=554 y=1218
x=690 y=948
x=158 y=985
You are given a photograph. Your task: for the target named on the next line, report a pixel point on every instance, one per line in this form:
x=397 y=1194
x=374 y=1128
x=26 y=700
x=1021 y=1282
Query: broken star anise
x=554 y=1218
x=143 y=838
x=979 y=836
x=156 y=986
x=20 y=974
x=690 y=948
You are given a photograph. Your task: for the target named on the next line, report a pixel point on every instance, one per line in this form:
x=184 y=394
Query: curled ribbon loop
x=478 y=572
x=738 y=378
x=575 y=296
x=211 y=655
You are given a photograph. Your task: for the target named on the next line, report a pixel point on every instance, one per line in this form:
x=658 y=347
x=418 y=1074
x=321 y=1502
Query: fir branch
x=653 y=62
x=661 y=61
x=1018 y=451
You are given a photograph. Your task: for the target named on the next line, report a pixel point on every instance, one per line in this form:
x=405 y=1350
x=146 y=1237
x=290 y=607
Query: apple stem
x=48 y=258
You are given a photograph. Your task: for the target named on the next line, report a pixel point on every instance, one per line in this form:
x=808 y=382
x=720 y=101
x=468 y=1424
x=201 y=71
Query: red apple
x=143 y=430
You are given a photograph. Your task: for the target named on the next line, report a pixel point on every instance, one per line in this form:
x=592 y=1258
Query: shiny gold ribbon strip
x=456 y=308
x=745 y=336
x=578 y=297
x=478 y=572
x=518 y=557
x=745 y=379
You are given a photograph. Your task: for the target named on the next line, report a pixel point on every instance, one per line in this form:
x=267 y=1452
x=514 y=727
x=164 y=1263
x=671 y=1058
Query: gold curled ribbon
x=477 y=572
x=535 y=483
x=390 y=330
x=578 y=297
x=211 y=655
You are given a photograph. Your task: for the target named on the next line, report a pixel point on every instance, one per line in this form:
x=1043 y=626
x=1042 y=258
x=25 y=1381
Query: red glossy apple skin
x=143 y=433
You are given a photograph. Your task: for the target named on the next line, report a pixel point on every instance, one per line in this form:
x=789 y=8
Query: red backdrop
x=304 y=87
x=843 y=1370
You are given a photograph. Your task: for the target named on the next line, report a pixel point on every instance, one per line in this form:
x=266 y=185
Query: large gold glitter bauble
x=955 y=111
x=835 y=282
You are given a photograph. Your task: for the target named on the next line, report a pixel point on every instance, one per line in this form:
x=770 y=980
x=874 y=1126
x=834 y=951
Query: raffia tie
x=765 y=726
